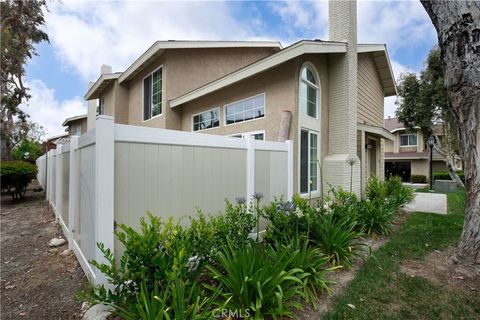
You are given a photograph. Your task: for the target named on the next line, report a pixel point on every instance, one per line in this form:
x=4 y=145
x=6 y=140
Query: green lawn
x=381 y=291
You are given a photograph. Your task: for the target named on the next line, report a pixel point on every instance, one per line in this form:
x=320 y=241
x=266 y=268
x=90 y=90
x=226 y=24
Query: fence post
x=49 y=177
x=73 y=194
x=250 y=169
x=290 y=170
x=58 y=182
x=104 y=189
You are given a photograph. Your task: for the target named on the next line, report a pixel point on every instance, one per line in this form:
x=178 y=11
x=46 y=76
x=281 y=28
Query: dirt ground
x=36 y=283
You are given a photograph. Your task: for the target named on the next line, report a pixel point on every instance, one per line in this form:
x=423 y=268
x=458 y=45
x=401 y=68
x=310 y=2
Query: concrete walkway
x=428 y=202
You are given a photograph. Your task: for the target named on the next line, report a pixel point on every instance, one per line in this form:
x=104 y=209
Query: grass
x=381 y=291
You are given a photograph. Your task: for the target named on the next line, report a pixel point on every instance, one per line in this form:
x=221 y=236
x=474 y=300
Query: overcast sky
x=86 y=34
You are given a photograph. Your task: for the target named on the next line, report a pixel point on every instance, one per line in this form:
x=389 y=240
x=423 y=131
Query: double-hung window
x=408 y=140
x=101 y=106
x=206 y=120
x=152 y=95
x=308 y=161
x=244 y=110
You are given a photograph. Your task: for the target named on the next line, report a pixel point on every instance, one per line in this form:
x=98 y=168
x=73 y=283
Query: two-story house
x=326 y=96
x=409 y=154
x=76 y=125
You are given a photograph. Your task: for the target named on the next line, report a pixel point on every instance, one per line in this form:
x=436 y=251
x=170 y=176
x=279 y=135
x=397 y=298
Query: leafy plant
x=418 y=178
x=314 y=266
x=375 y=217
x=336 y=237
x=398 y=193
x=15 y=177
x=260 y=282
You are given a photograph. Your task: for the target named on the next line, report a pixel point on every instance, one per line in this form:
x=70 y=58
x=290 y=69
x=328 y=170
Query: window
x=76 y=130
x=244 y=110
x=308 y=161
x=308 y=92
x=408 y=140
x=152 y=95
x=206 y=120
x=258 y=135
x=101 y=106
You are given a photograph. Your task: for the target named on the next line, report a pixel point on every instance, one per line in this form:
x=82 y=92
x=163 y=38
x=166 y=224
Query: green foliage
x=314 y=265
x=418 y=178
x=444 y=175
x=375 y=217
x=336 y=236
x=207 y=232
x=34 y=150
x=258 y=281
x=15 y=177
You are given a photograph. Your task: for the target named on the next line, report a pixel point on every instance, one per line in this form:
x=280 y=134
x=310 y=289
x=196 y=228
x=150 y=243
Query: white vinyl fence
x=116 y=173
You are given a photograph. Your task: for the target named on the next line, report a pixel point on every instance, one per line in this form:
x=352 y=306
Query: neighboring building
x=52 y=142
x=409 y=153
x=75 y=126
x=331 y=91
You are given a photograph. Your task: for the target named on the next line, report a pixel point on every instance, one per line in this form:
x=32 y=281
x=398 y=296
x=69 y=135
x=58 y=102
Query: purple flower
x=258 y=195
x=240 y=200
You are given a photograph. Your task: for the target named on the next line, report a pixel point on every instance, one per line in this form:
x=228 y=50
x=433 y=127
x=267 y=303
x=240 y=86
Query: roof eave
x=102 y=81
x=384 y=67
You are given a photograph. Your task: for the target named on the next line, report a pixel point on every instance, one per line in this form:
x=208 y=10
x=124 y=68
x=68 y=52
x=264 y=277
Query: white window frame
x=408 y=139
x=310 y=66
x=199 y=113
x=313 y=193
x=248 y=98
x=151 y=92
x=250 y=133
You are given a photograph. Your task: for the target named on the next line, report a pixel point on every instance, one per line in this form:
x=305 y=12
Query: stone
x=445 y=186
x=98 y=312
x=66 y=252
x=54 y=250
x=56 y=242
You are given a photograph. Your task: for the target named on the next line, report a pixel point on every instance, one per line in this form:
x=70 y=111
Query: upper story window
x=206 y=120
x=152 y=95
x=245 y=110
x=76 y=130
x=408 y=140
x=308 y=92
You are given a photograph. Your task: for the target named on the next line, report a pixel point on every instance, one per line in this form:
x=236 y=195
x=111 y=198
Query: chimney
x=104 y=69
x=342 y=128
x=91 y=110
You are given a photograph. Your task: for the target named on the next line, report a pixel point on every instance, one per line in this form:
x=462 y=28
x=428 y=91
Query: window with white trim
x=408 y=140
x=308 y=92
x=308 y=161
x=101 y=106
x=255 y=135
x=245 y=110
x=152 y=95
x=206 y=120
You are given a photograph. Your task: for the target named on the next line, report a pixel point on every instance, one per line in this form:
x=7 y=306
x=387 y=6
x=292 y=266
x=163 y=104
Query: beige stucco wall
x=183 y=71
x=370 y=92
x=388 y=145
x=420 y=167
x=81 y=122
x=280 y=85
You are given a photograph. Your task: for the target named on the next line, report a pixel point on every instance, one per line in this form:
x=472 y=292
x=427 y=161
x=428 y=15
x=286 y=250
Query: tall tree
x=21 y=21
x=424 y=105
x=458 y=28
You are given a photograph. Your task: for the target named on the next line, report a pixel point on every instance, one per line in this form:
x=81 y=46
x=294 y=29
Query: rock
x=351 y=305
x=56 y=242
x=98 y=312
x=85 y=306
x=54 y=250
x=66 y=252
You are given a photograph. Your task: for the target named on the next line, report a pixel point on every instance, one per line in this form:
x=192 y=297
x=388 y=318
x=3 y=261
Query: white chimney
x=91 y=110
x=104 y=69
x=342 y=129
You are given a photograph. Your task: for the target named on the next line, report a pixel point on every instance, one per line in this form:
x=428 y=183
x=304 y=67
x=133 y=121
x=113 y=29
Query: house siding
x=370 y=92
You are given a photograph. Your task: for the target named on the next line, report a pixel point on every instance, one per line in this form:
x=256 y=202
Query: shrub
x=444 y=175
x=34 y=150
x=337 y=238
x=259 y=282
x=418 y=178
x=15 y=177
x=398 y=194
x=314 y=266
x=375 y=217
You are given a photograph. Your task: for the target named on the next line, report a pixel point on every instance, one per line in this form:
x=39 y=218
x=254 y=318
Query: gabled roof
x=160 y=46
x=100 y=84
x=392 y=123
x=68 y=120
x=302 y=47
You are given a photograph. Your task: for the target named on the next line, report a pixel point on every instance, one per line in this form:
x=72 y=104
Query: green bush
x=257 y=281
x=418 y=178
x=375 y=217
x=15 y=177
x=336 y=237
x=34 y=150
x=398 y=194
x=444 y=175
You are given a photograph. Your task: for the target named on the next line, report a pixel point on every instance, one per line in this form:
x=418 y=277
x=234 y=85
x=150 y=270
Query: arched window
x=308 y=92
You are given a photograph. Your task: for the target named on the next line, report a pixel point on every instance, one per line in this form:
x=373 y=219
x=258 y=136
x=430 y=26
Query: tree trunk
x=458 y=28
x=5 y=138
x=449 y=155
